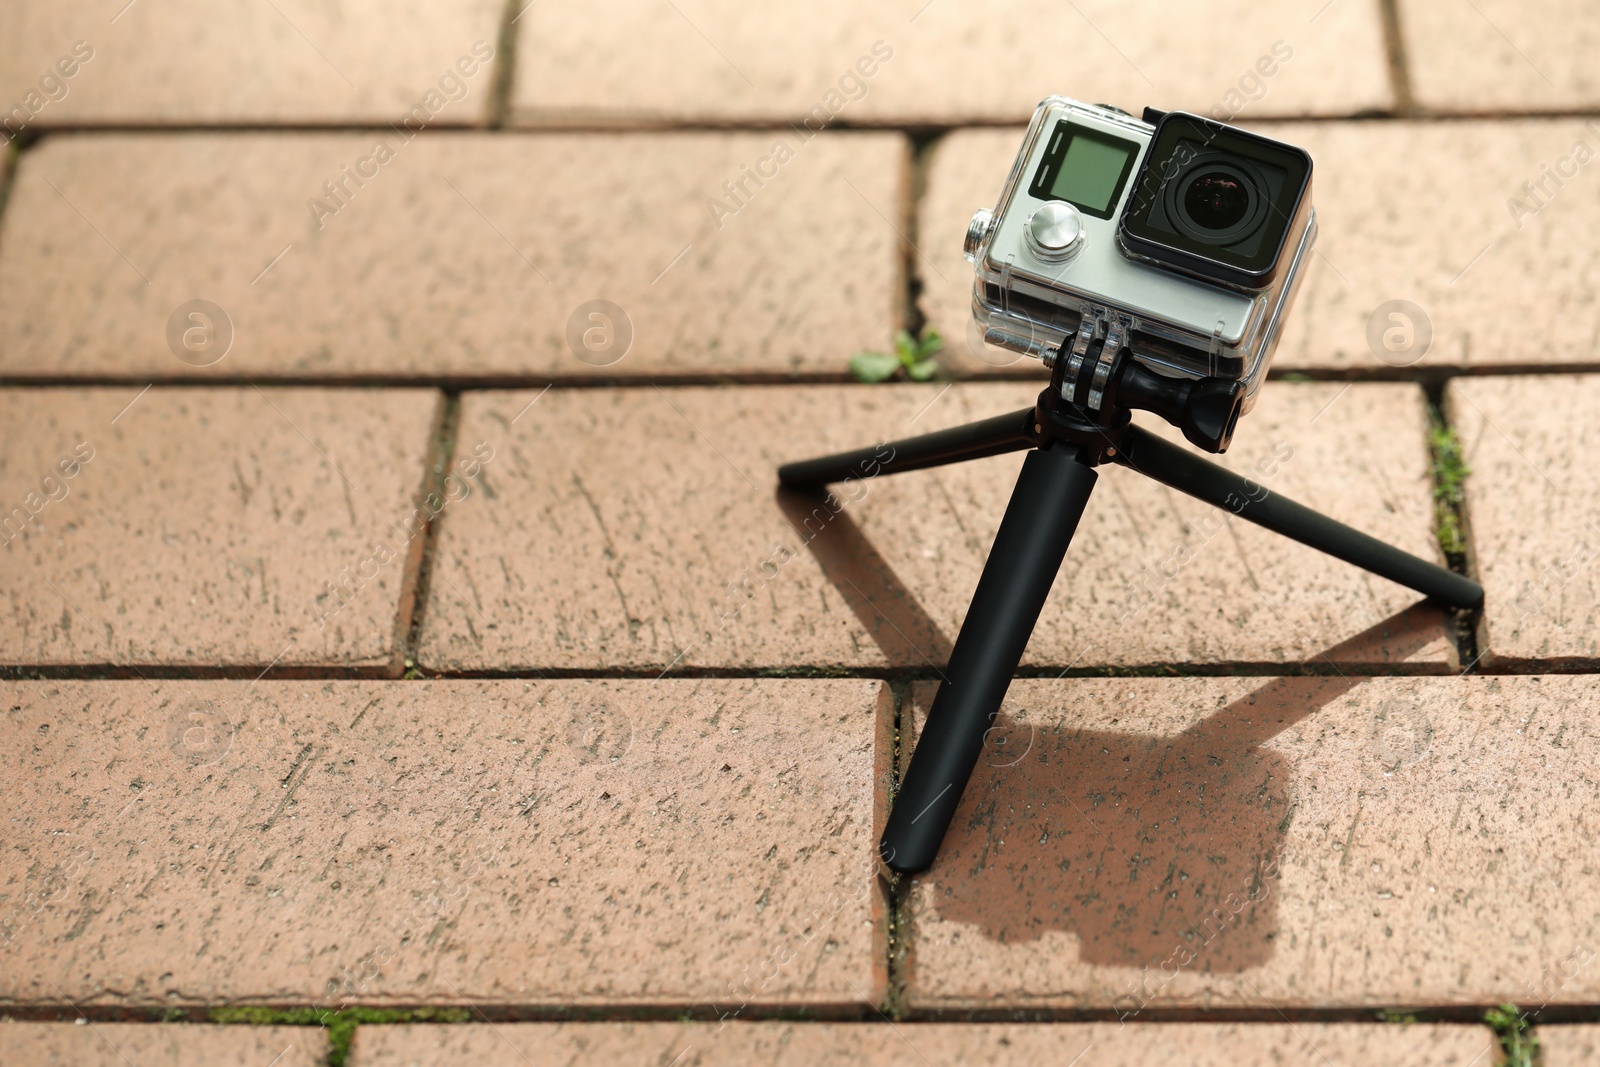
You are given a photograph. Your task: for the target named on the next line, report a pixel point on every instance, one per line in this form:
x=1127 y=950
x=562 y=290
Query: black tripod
x=1069 y=440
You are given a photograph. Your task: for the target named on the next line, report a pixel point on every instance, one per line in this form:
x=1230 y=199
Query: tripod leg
x=1039 y=523
x=991 y=437
x=1188 y=473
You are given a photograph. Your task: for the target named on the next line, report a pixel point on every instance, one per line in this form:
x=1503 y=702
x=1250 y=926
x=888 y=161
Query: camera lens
x=1216 y=200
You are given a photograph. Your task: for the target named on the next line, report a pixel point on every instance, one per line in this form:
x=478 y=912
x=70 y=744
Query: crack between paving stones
x=441 y=454
x=275 y=1013
x=622 y=125
x=1466 y=625
x=455 y=384
x=896 y=887
x=114 y=672
x=1398 y=60
x=505 y=60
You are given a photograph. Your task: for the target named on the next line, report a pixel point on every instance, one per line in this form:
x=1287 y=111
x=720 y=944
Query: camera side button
x=1054 y=231
x=977 y=232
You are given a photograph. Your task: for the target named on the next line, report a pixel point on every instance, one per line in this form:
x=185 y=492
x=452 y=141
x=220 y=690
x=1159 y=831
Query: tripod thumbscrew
x=1206 y=409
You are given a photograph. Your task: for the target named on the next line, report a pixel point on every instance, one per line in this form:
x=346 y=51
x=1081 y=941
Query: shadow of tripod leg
x=1188 y=852
x=1039 y=522
x=976 y=440
x=883 y=606
x=1186 y=472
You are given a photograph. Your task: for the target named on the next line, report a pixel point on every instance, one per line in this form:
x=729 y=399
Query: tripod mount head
x=1206 y=409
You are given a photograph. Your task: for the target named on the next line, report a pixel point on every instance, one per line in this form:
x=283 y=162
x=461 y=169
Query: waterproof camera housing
x=1176 y=240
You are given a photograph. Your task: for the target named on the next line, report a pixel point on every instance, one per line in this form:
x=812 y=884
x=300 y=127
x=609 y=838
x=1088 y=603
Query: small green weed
x=1518 y=1042
x=915 y=358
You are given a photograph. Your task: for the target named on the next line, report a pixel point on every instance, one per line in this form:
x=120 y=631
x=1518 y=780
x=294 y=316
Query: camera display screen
x=1084 y=167
x=1215 y=200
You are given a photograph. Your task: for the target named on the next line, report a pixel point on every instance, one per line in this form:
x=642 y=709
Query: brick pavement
x=836 y=1045
x=408 y=656
x=1570 y=1046
x=105 y=1044
x=467 y=266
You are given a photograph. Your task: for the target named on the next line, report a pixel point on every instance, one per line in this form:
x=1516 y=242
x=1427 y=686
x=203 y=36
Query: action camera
x=1176 y=240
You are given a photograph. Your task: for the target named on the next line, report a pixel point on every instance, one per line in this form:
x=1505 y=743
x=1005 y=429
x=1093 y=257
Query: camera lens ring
x=1214 y=164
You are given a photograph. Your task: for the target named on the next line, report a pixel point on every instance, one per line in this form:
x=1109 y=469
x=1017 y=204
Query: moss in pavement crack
x=1449 y=488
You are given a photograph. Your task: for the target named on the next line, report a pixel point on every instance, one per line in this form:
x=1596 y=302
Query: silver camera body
x=1109 y=238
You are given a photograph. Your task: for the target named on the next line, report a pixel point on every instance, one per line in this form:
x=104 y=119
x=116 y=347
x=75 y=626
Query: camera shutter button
x=977 y=232
x=1055 y=231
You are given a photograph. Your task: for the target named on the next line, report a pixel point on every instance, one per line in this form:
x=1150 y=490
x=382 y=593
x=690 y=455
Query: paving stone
x=212 y=528
x=836 y=1045
x=78 y=62
x=1531 y=506
x=1429 y=213
x=584 y=554
x=177 y=1044
x=700 y=843
x=461 y=255
x=1496 y=55
x=1570 y=1046
x=1294 y=843
x=1407 y=211
x=913 y=62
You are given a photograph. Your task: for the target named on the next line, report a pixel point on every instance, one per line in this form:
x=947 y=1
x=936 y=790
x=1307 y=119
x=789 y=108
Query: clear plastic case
x=1051 y=281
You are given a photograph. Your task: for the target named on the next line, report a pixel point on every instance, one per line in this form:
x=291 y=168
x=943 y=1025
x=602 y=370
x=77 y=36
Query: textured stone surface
x=1533 y=504
x=1501 y=55
x=1406 y=842
x=941 y=63
x=1407 y=211
x=1423 y=212
x=207 y=528
x=1570 y=1046
x=934 y=1044
x=176 y=1044
x=292 y=61
x=564 y=843
x=462 y=255
x=591 y=550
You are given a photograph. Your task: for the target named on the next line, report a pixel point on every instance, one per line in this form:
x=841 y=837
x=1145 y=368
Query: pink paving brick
x=221 y=528
x=105 y=1044
x=457 y=255
x=701 y=845
x=931 y=1044
x=1570 y=1046
x=76 y=62
x=1499 y=55
x=1535 y=524
x=917 y=63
